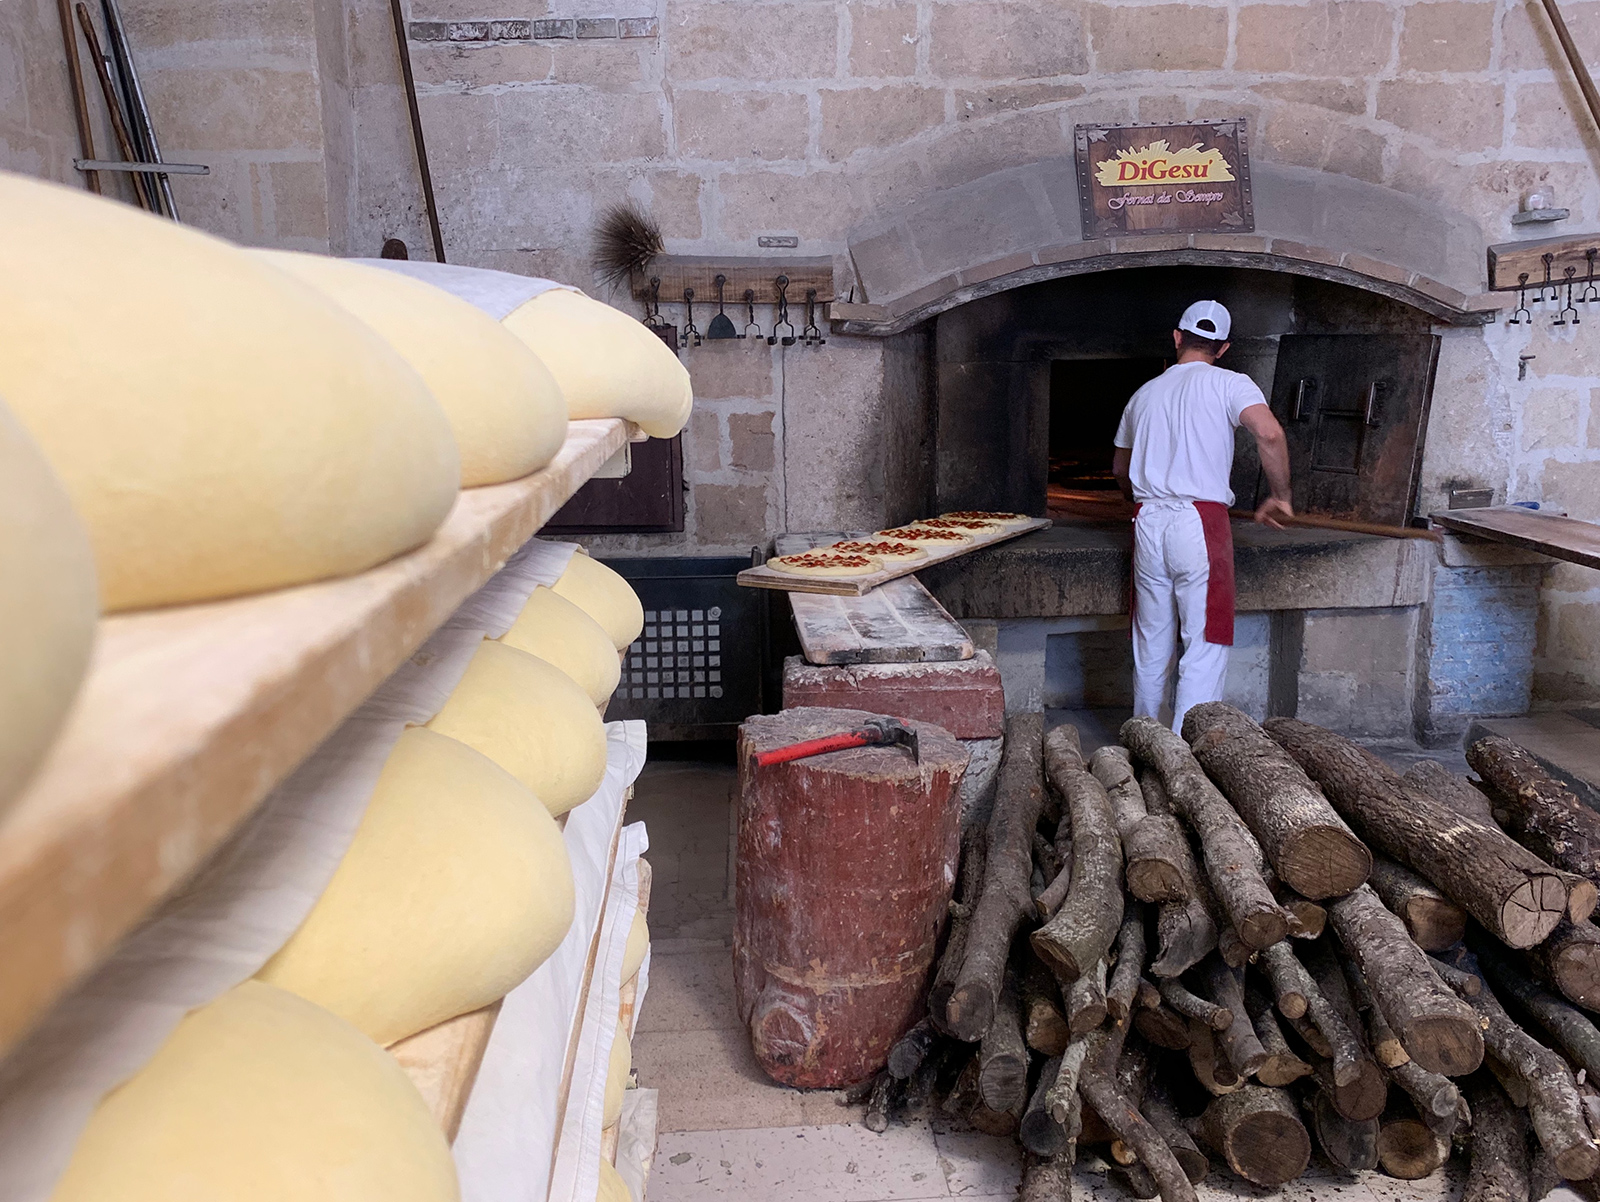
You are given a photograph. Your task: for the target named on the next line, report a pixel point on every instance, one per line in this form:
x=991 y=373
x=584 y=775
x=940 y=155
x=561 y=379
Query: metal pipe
x=113 y=101
x=92 y=165
x=1585 y=84
x=135 y=91
x=80 y=101
x=416 y=128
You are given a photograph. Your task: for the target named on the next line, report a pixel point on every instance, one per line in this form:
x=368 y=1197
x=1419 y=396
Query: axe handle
x=798 y=751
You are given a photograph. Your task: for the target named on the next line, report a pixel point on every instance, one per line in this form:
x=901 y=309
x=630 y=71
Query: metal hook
x=811 y=335
x=691 y=336
x=783 y=315
x=1561 y=318
x=1547 y=259
x=1517 y=317
x=652 y=307
x=750 y=308
x=1591 y=291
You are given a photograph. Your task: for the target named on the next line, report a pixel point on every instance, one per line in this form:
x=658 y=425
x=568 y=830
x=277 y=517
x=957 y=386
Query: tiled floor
x=729 y=1133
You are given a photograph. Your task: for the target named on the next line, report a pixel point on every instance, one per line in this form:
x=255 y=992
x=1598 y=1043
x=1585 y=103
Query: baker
x=1174 y=452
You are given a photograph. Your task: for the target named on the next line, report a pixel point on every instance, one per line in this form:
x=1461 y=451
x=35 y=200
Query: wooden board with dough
x=897 y=623
x=859 y=586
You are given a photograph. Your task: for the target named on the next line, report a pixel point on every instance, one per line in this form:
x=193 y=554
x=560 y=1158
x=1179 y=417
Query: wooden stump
x=1433 y=921
x=1309 y=846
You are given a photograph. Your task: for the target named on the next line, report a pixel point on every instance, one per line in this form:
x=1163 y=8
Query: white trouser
x=1171 y=569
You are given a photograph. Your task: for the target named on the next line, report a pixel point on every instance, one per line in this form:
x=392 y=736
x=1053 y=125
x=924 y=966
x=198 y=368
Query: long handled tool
x=144 y=130
x=80 y=102
x=1313 y=522
x=878 y=732
x=113 y=101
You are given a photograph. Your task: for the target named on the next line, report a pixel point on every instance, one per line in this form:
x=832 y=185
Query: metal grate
x=678 y=655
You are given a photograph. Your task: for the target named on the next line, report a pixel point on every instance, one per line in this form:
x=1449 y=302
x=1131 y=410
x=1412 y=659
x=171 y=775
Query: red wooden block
x=964 y=696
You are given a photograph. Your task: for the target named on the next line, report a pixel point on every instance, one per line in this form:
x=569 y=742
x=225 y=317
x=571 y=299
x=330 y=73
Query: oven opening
x=1087 y=397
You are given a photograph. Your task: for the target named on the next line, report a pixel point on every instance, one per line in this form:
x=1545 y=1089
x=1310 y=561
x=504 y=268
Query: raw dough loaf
x=560 y=633
x=505 y=407
x=262 y=1097
x=533 y=720
x=638 y=944
x=605 y=596
x=607 y=363
x=456 y=887
x=47 y=605
x=612 y=1187
x=617 y=1070
x=220 y=427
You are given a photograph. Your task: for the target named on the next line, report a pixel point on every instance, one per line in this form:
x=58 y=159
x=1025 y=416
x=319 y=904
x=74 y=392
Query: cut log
x=1136 y=1180
x=1052 y=895
x=1386 y=1047
x=1237 y=1040
x=1542 y=1175
x=1206 y=1061
x=1099 y=1089
x=1360 y=1088
x=1019 y=796
x=1570 y=960
x=1542 y=814
x=910 y=1049
x=1000 y=1123
x=885 y=1094
x=1045 y=858
x=1258 y=1132
x=1351 y=1145
x=1047 y=1178
x=1499 y=1170
x=1185 y=935
x=1112 y=768
x=1573 y=1033
x=1157 y=863
x=1158 y=1108
x=1282 y=1065
x=974 y=842
x=1123 y=986
x=1162 y=1027
x=1307 y=919
x=1409 y=1149
x=1291 y=984
x=1438 y=1030
x=1433 y=1094
x=1082 y=930
x=1495 y=879
x=920 y=1087
x=1061 y=1098
x=1430 y=776
x=1039 y=1131
x=1192 y=1005
x=1311 y=1036
x=1233 y=861
x=1433 y=921
x=1044 y=1025
x=1086 y=1001
x=1553 y=1105
x=1309 y=846
x=1003 y=1054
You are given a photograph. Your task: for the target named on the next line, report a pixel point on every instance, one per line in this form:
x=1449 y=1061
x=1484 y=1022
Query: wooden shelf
x=191 y=715
x=1530 y=529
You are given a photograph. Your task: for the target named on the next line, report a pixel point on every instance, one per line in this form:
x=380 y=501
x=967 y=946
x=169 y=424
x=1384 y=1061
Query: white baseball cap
x=1208 y=319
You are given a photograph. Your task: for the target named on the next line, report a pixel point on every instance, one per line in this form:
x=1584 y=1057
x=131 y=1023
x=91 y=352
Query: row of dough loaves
x=187 y=420
x=455 y=887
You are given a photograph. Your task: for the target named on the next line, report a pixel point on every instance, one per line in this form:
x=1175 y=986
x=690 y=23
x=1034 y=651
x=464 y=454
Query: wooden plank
x=1508 y=260
x=896 y=623
x=860 y=586
x=191 y=715
x=443 y=1062
x=1557 y=537
x=677 y=272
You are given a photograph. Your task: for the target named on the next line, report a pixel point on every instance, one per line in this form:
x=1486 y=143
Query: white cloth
x=1171 y=569
x=497 y=293
x=1180 y=428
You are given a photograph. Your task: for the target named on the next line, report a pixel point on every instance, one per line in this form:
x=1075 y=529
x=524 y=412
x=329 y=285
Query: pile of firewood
x=1248 y=943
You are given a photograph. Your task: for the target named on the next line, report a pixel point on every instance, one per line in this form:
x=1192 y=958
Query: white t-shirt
x=1180 y=428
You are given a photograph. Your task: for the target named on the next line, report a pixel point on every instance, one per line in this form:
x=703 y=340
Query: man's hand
x=1271 y=509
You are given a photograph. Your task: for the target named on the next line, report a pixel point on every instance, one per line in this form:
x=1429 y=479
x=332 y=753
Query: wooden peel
x=1313 y=522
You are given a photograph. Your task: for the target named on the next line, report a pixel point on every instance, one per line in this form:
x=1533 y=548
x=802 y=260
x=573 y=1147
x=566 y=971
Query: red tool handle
x=798 y=751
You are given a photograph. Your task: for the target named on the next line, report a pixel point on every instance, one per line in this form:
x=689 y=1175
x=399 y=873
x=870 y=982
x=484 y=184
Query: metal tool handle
x=1370 y=414
x=798 y=751
x=1301 y=387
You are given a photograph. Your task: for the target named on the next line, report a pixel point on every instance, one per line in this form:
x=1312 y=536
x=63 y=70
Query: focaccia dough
x=825 y=562
x=605 y=596
x=884 y=551
x=617 y=1070
x=456 y=887
x=533 y=720
x=607 y=363
x=220 y=427
x=638 y=944
x=505 y=407
x=47 y=606
x=262 y=1096
x=924 y=536
x=1004 y=517
x=558 y=632
x=612 y=1187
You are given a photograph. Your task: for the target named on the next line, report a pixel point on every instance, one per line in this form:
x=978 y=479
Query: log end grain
x=1533 y=910
x=1447 y=1044
x=1261 y=929
x=969 y=1013
x=1323 y=861
x=1154 y=880
x=1261 y=1138
x=1578 y=1162
x=1409 y=1150
x=1365 y=1095
x=1435 y=923
x=1582 y=897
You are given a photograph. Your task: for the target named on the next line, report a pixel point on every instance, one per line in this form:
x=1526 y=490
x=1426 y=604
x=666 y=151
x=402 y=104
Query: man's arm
x=1273 y=447
x=1121 y=457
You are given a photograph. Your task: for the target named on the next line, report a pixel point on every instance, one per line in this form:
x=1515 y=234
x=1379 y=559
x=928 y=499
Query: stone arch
x=1021 y=226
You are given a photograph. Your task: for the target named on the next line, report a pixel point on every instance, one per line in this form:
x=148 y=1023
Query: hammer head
x=892 y=730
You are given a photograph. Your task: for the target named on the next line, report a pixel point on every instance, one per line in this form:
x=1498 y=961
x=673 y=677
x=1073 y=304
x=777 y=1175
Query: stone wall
x=824 y=120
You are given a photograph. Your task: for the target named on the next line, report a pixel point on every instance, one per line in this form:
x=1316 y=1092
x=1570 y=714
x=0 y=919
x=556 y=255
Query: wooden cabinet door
x=1355 y=408
x=648 y=500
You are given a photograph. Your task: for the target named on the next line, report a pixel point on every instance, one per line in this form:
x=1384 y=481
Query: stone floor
x=726 y=1132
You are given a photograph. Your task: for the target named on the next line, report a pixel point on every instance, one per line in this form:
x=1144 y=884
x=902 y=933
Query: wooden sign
x=1156 y=179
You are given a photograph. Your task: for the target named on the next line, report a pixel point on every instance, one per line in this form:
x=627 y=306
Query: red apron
x=1218 y=530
